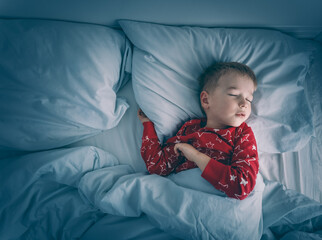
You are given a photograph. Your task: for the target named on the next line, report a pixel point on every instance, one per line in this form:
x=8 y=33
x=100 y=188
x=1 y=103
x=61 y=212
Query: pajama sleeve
x=238 y=178
x=158 y=159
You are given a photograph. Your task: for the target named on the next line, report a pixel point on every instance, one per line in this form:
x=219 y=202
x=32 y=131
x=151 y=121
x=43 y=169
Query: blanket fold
x=60 y=194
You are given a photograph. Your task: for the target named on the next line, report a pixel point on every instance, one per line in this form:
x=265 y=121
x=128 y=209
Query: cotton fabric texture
x=58 y=82
x=233 y=167
x=167 y=60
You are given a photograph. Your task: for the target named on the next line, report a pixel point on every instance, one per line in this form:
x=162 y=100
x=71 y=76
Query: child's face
x=229 y=104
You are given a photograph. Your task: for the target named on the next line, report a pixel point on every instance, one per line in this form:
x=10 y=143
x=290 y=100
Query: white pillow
x=58 y=82
x=167 y=61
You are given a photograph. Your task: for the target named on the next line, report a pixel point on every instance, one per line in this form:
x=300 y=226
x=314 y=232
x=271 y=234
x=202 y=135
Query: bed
x=71 y=82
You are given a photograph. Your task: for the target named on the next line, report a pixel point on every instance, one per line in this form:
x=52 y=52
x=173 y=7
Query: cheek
x=226 y=109
x=249 y=110
x=228 y=105
x=224 y=105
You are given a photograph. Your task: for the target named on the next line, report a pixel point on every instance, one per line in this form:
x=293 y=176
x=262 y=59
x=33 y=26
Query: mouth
x=242 y=115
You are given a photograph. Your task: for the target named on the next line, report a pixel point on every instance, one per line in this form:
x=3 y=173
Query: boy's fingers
x=141 y=113
x=176 y=150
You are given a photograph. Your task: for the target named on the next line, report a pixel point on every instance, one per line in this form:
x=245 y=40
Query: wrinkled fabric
x=59 y=82
x=182 y=212
x=167 y=61
x=234 y=160
x=60 y=194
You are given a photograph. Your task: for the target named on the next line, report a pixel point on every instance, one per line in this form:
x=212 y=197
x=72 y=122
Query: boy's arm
x=192 y=154
x=159 y=159
x=238 y=179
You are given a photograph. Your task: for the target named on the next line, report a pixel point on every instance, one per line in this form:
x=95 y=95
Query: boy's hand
x=186 y=150
x=143 y=118
x=192 y=154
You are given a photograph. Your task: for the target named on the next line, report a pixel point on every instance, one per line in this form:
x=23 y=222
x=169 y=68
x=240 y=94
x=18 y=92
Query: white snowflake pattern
x=223 y=185
x=210 y=145
x=237 y=151
x=218 y=139
x=195 y=128
x=200 y=134
x=254 y=147
x=245 y=139
x=233 y=178
x=143 y=149
x=227 y=135
x=196 y=144
x=247 y=160
x=209 y=152
x=238 y=196
x=146 y=139
x=152 y=143
x=149 y=159
x=221 y=158
x=239 y=131
x=180 y=132
x=244 y=182
x=163 y=167
x=150 y=166
x=172 y=158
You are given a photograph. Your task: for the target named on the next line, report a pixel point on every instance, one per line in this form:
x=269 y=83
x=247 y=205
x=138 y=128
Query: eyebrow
x=234 y=88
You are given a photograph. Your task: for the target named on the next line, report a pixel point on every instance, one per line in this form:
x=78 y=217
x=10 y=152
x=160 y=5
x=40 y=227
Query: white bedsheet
x=296 y=170
x=301 y=170
x=60 y=194
x=124 y=141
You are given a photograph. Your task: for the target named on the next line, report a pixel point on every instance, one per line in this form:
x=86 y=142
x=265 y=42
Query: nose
x=242 y=103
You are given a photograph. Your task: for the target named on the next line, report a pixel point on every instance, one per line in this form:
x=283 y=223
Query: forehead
x=235 y=80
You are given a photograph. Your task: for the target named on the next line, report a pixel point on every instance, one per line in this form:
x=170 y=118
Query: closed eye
x=235 y=95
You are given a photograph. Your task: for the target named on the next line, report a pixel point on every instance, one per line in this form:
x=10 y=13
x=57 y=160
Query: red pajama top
x=233 y=151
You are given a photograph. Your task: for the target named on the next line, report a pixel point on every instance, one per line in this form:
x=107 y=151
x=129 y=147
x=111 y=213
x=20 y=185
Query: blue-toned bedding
x=60 y=194
x=70 y=164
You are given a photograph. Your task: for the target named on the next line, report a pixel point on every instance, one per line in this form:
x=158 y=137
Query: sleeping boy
x=222 y=145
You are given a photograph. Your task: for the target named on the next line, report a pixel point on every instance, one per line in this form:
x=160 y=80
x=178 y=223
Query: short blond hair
x=208 y=80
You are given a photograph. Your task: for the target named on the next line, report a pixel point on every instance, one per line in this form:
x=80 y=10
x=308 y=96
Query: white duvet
x=59 y=194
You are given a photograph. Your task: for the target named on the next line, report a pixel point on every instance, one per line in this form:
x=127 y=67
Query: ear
x=204 y=100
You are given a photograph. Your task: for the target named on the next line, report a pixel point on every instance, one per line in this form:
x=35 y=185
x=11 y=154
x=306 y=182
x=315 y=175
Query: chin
x=236 y=124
